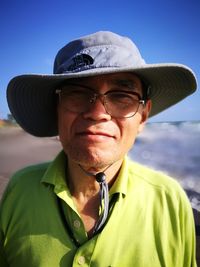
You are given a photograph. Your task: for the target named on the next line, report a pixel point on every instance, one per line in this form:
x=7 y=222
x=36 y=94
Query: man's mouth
x=94 y=134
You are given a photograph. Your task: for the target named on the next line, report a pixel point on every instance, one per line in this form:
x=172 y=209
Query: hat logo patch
x=80 y=61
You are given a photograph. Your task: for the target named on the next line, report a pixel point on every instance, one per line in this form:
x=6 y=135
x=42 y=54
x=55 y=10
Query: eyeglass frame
x=100 y=96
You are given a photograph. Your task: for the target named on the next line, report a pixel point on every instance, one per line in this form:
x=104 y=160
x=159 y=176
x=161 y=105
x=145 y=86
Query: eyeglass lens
x=119 y=104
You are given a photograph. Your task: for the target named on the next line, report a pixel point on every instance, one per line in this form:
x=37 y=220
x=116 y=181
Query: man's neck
x=81 y=182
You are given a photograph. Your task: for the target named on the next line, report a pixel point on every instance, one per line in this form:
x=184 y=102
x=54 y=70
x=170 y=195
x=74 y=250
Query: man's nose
x=97 y=110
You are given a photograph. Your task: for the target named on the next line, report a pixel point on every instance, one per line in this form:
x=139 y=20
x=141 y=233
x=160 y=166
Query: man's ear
x=145 y=114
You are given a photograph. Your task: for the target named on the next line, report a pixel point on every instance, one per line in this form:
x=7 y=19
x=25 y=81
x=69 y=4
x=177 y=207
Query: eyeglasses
x=117 y=103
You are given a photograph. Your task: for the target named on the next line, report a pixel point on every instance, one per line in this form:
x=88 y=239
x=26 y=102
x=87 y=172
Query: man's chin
x=96 y=158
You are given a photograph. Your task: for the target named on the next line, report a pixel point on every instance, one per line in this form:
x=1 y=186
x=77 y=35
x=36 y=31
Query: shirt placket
x=85 y=247
x=84 y=253
x=72 y=220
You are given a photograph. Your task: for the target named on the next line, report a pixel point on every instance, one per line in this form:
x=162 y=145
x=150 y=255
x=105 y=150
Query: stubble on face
x=86 y=149
x=101 y=154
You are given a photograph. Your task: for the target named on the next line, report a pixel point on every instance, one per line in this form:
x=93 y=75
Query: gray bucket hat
x=32 y=99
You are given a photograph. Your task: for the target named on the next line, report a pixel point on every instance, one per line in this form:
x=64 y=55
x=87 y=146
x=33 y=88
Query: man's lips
x=95 y=133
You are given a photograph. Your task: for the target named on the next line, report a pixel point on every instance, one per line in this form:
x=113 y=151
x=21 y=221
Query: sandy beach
x=19 y=149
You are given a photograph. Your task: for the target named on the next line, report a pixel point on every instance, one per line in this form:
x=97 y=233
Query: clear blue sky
x=165 y=31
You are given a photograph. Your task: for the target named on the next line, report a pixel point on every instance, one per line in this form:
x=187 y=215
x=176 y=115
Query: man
x=92 y=206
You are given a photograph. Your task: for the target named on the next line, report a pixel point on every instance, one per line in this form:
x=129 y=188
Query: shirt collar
x=55 y=175
x=121 y=183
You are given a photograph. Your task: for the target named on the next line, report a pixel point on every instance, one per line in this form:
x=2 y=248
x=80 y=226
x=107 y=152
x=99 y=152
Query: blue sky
x=165 y=31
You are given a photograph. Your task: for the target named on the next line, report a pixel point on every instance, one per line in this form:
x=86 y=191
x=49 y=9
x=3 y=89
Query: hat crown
x=98 y=50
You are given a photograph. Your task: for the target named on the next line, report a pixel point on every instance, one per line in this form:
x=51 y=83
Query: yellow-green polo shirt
x=150 y=222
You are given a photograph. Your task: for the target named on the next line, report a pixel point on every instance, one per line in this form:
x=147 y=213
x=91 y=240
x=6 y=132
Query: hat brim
x=32 y=100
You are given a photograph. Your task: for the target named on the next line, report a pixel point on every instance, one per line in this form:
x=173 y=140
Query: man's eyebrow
x=126 y=83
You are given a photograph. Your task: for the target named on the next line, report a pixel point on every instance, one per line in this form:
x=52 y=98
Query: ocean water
x=173 y=148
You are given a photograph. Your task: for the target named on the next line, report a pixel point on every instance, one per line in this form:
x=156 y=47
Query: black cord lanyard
x=66 y=225
x=104 y=201
x=197 y=228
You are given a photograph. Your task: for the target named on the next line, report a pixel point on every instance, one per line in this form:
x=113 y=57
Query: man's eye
x=121 y=97
x=76 y=93
x=72 y=90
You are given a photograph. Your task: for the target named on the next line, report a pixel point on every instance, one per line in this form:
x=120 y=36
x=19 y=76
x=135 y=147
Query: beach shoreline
x=19 y=149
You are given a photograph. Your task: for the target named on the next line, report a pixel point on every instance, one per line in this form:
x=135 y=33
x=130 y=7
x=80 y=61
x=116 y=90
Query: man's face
x=94 y=138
